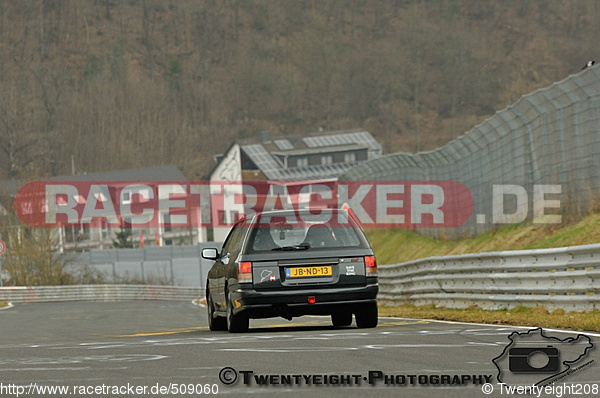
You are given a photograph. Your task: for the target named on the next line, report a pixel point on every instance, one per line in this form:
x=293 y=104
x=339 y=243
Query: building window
x=326 y=160
x=221 y=217
x=167 y=222
x=302 y=162
x=104 y=229
x=144 y=195
x=100 y=197
x=350 y=157
x=235 y=216
x=76 y=233
x=70 y=234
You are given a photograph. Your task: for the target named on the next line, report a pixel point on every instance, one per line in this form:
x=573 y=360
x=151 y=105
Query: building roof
x=355 y=137
x=317 y=150
x=261 y=153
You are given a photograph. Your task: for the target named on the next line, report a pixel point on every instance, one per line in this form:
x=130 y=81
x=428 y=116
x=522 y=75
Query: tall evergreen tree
x=123 y=238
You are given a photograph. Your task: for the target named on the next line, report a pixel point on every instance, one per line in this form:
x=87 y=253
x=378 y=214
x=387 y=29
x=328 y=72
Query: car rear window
x=311 y=232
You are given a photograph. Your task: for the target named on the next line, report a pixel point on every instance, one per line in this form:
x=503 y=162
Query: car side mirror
x=210 y=254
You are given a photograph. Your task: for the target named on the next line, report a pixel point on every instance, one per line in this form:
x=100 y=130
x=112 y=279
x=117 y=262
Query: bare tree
x=16 y=138
x=32 y=257
x=51 y=86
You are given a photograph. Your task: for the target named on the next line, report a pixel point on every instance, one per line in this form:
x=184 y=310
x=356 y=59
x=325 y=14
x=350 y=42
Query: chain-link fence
x=550 y=136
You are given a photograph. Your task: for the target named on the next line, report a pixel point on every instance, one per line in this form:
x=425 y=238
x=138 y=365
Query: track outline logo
x=553 y=341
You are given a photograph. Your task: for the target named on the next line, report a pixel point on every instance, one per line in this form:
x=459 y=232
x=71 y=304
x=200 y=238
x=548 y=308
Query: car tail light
x=245 y=271
x=370 y=266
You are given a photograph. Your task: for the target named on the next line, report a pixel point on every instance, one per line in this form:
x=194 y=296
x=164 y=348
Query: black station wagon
x=292 y=263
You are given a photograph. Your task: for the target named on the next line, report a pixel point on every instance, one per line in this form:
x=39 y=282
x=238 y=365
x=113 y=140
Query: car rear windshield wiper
x=301 y=246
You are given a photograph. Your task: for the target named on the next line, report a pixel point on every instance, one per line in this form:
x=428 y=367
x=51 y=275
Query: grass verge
x=519 y=316
x=399 y=245
x=3 y=304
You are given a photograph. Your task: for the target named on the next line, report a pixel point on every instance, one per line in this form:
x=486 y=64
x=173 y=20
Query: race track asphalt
x=109 y=349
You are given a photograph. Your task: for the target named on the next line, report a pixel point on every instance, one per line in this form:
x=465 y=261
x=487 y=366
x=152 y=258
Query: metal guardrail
x=39 y=294
x=566 y=278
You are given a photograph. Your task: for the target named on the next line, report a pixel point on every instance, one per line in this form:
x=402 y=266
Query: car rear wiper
x=301 y=246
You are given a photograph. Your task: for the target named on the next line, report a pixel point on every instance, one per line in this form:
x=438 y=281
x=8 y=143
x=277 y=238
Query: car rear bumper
x=292 y=303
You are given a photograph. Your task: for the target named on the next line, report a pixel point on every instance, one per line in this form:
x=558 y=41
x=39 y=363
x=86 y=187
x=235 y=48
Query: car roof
x=288 y=211
x=285 y=212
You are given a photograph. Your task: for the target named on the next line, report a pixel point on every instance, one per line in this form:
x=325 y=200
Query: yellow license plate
x=307 y=272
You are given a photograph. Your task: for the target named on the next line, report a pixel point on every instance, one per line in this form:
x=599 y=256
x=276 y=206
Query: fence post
x=142 y=264
x=171 y=264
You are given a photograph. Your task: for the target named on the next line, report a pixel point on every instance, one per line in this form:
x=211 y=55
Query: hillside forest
x=114 y=84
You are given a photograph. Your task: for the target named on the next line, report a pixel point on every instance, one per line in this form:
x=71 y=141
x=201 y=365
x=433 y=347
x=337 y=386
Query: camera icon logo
x=531 y=360
x=533 y=357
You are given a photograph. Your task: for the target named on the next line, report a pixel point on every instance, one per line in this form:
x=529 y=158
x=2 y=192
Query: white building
x=316 y=157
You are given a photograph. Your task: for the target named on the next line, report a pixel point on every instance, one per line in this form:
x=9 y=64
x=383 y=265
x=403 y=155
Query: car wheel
x=214 y=324
x=341 y=318
x=366 y=316
x=235 y=322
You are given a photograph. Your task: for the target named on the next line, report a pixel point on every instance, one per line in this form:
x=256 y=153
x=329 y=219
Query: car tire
x=214 y=323
x=367 y=316
x=236 y=323
x=341 y=318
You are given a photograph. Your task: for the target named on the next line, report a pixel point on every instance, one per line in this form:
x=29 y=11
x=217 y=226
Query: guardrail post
x=172 y=272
